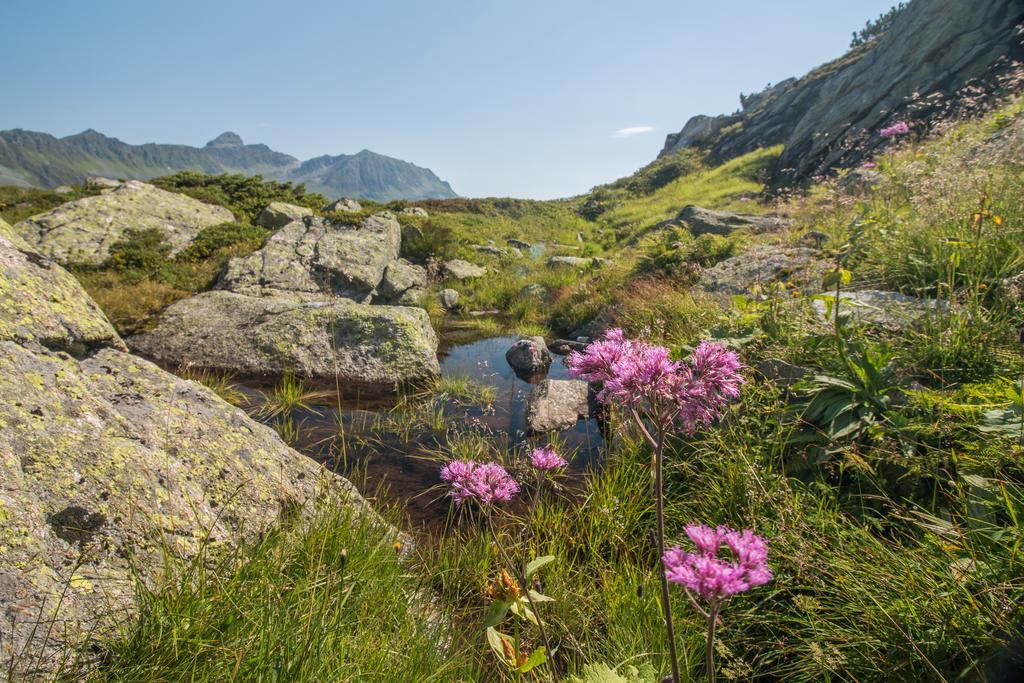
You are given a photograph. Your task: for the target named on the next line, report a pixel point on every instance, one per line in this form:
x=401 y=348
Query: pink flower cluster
x=692 y=393
x=486 y=483
x=546 y=459
x=895 y=130
x=714 y=578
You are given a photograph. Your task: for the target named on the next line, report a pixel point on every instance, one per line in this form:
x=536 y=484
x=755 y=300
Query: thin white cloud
x=630 y=132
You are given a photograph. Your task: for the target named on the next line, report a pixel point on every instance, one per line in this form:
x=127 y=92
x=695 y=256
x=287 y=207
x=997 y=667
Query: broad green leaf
x=537 y=563
x=536 y=658
x=496 y=612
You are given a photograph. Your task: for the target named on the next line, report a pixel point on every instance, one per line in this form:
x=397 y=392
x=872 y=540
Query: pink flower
x=895 y=130
x=638 y=375
x=714 y=578
x=868 y=165
x=486 y=483
x=546 y=459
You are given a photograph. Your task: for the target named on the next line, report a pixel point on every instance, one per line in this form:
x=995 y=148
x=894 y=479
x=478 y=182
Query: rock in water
x=529 y=356
x=106 y=463
x=319 y=256
x=705 y=221
x=557 y=404
x=278 y=214
x=82 y=231
x=346 y=204
x=372 y=347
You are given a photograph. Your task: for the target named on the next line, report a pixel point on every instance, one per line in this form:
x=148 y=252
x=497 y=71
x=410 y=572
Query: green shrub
x=429 y=241
x=142 y=253
x=678 y=252
x=218 y=237
x=246 y=196
x=19 y=203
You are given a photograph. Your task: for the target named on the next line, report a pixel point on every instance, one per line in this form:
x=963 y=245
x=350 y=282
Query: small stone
x=556 y=404
x=449 y=299
x=529 y=355
x=278 y=214
x=703 y=221
x=457 y=269
x=346 y=204
x=415 y=211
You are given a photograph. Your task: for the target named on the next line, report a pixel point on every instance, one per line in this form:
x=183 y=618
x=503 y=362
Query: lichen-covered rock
x=529 y=356
x=703 y=221
x=42 y=303
x=890 y=310
x=449 y=299
x=278 y=214
x=415 y=211
x=457 y=269
x=344 y=204
x=374 y=347
x=764 y=265
x=82 y=231
x=557 y=404
x=100 y=183
x=105 y=462
x=319 y=256
x=402 y=281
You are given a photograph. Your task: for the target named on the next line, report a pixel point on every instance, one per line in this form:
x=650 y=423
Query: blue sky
x=521 y=98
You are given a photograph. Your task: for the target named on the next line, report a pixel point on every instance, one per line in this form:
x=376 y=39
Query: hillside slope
x=939 y=59
x=29 y=158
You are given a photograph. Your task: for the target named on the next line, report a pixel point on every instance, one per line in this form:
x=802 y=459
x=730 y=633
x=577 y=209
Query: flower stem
x=709 y=654
x=666 y=605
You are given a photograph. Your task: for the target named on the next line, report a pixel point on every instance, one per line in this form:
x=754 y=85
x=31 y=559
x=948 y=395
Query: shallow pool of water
x=393 y=452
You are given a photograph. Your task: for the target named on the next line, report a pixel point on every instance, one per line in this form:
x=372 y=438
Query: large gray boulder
x=890 y=310
x=108 y=464
x=319 y=256
x=556 y=404
x=703 y=221
x=316 y=338
x=529 y=356
x=278 y=214
x=82 y=231
x=764 y=265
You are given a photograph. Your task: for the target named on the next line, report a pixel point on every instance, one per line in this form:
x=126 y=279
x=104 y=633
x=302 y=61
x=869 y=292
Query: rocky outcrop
x=107 y=463
x=701 y=221
x=320 y=256
x=457 y=269
x=763 y=265
x=82 y=231
x=556 y=404
x=314 y=337
x=529 y=356
x=831 y=117
x=278 y=214
x=890 y=310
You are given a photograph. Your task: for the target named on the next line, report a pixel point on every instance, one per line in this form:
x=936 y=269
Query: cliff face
x=940 y=59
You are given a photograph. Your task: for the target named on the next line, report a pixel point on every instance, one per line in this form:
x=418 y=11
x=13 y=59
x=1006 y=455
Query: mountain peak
x=227 y=139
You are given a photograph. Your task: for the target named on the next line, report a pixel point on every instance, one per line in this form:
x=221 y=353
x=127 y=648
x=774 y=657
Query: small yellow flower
x=397 y=546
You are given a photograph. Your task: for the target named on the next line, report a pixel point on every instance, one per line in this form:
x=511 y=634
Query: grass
x=323 y=599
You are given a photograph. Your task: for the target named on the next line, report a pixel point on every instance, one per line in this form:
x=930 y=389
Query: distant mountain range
x=35 y=159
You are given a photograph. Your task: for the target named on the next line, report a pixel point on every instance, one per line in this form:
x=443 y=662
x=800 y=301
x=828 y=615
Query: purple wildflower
x=546 y=459
x=692 y=393
x=868 y=165
x=714 y=578
x=486 y=483
x=895 y=130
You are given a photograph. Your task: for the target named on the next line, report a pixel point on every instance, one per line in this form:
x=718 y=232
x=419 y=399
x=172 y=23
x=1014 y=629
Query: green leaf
x=522 y=610
x=538 y=597
x=496 y=612
x=497 y=642
x=537 y=563
x=536 y=658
